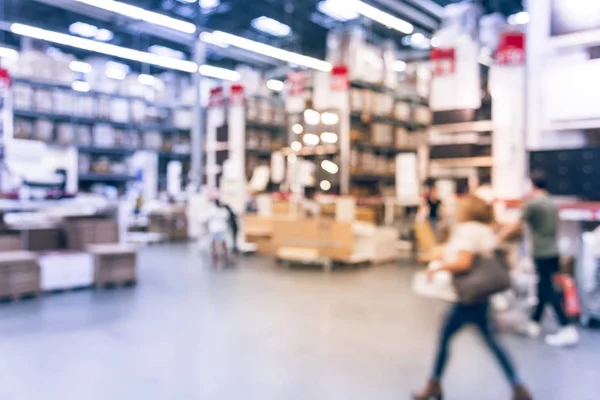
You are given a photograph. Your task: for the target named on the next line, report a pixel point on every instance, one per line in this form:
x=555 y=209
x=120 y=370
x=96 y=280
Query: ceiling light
x=6 y=52
x=417 y=40
x=116 y=70
x=146 y=79
x=271 y=26
x=80 y=86
x=297 y=129
x=275 y=85
x=520 y=18
x=338 y=10
x=330 y=167
x=310 y=139
x=83 y=29
x=80 y=66
x=209 y=4
x=435 y=41
x=325 y=185
x=219 y=73
x=104 y=48
x=296 y=146
x=400 y=66
x=329 y=118
x=312 y=117
x=329 y=137
x=379 y=16
x=166 y=52
x=209 y=38
x=104 y=35
x=141 y=14
x=274 y=52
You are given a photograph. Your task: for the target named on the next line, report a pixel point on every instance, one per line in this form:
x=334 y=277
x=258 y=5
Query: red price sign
x=5 y=80
x=444 y=61
x=295 y=83
x=511 y=49
x=216 y=97
x=339 y=78
x=237 y=95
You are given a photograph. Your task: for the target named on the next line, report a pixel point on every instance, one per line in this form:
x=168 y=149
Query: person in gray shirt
x=541 y=216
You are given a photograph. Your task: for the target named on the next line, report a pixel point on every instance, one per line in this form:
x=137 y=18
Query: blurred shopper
x=219 y=225
x=472 y=237
x=434 y=205
x=541 y=216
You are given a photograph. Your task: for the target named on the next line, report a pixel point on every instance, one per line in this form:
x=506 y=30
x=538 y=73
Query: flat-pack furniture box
x=81 y=232
x=171 y=222
x=19 y=274
x=41 y=238
x=66 y=270
x=113 y=264
x=10 y=241
x=259 y=230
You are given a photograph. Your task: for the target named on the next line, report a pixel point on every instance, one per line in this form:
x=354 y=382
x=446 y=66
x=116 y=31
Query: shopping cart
x=587 y=275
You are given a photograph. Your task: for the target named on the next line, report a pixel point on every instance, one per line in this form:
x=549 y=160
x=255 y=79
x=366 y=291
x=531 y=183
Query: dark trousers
x=547 y=294
x=460 y=315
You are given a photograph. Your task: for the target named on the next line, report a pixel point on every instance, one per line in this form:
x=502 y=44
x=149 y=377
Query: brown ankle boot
x=521 y=393
x=433 y=391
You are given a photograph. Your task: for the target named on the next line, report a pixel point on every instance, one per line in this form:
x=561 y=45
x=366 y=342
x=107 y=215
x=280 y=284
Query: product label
x=339 y=78
x=511 y=49
x=444 y=61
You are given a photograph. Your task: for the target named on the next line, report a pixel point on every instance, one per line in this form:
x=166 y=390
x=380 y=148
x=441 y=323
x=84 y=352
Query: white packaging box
x=119 y=110
x=138 y=111
x=104 y=135
x=63 y=102
x=182 y=118
x=44 y=130
x=66 y=270
x=43 y=100
x=402 y=111
x=85 y=105
x=22 y=96
x=65 y=133
x=103 y=107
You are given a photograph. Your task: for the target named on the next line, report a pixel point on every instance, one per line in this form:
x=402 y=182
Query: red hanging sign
x=216 y=97
x=5 y=81
x=511 y=49
x=444 y=61
x=295 y=83
x=237 y=95
x=339 y=78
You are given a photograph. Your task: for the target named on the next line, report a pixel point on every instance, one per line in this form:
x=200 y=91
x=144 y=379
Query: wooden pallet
x=67 y=290
x=20 y=296
x=115 y=285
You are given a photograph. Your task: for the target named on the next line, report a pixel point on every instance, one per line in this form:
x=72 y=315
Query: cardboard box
x=19 y=274
x=259 y=230
x=10 y=242
x=81 y=232
x=41 y=238
x=113 y=264
x=172 y=223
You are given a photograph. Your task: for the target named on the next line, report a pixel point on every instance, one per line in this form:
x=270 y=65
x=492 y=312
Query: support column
x=198 y=125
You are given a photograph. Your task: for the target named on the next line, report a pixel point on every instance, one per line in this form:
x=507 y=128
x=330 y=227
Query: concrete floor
x=260 y=332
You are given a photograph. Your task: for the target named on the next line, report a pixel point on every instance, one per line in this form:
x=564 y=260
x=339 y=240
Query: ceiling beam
x=411 y=14
x=430 y=6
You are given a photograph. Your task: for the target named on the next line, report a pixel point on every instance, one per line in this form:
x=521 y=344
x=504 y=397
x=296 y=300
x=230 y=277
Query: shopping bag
x=438 y=287
x=486 y=277
x=570 y=296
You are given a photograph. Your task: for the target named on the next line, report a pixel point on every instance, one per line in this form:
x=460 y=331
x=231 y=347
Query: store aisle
x=258 y=332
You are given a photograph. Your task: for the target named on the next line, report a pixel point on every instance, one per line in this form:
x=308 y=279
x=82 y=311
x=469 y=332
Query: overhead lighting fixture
x=310 y=139
x=271 y=27
x=209 y=4
x=330 y=167
x=80 y=86
x=104 y=35
x=6 y=52
x=417 y=40
x=274 y=52
x=80 y=66
x=325 y=185
x=166 y=52
x=219 y=73
x=400 y=66
x=312 y=117
x=296 y=146
x=329 y=137
x=275 y=85
x=209 y=38
x=520 y=18
x=146 y=79
x=329 y=118
x=297 y=129
x=141 y=14
x=83 y=29
x=435 y=41
x=116 y=70
x=338 y=10
x=104 y=48
x=379 y=16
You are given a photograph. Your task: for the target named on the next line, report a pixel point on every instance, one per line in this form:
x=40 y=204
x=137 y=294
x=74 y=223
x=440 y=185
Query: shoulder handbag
x=486 y=277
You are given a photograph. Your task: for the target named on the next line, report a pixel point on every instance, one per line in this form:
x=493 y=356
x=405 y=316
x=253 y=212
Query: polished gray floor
x=260 y=332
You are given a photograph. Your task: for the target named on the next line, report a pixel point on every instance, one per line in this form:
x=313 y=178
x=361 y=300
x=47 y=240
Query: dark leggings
x=460 y=315
x=547 y=294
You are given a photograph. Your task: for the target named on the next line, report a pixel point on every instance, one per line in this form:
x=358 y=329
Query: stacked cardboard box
x=19 y=274
x=170 y=222
x=10 y=242
x=41 y=238
x=113 y=264
x=82 y=232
